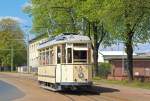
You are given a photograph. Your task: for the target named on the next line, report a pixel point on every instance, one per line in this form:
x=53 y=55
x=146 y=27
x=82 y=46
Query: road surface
x=23 y=87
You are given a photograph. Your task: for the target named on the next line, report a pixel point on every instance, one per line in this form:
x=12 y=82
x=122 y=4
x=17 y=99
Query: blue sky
x=14 y=8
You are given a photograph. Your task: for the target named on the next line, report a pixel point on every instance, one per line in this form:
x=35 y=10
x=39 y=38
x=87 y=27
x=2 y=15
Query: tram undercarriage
x=65 y=86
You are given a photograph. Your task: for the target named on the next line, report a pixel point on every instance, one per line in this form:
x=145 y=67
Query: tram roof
x=65 y=38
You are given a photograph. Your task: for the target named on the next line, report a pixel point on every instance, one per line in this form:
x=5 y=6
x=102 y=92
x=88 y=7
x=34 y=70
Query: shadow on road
x=95 y=90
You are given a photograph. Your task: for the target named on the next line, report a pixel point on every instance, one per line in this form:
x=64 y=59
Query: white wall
x=33 y=52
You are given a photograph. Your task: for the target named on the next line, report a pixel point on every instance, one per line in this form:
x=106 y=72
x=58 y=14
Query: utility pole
x=12 y=58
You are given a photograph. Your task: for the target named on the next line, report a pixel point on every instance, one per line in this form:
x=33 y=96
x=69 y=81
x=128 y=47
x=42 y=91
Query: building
x=33 y=52
x=22 y=69
x=103 y=54
x=141 y=64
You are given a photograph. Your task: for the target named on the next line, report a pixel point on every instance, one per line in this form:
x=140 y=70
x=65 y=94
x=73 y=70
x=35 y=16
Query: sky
x=13 y=9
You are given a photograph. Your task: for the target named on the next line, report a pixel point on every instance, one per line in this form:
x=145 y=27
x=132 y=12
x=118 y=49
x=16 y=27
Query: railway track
x=91 y=96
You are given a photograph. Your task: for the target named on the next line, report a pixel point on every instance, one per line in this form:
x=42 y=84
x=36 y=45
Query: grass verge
x=137 y=84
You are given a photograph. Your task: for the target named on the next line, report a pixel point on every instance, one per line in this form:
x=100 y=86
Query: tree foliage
x=129 y=20
x=9 y=32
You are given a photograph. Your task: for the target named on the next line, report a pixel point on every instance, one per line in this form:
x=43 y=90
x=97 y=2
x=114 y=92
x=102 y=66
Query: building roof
x=65 y=38
x=119 y=55
x=113 y=53
x=104 y=53
x=38 y=38
x=109 y=55
x=124 y=57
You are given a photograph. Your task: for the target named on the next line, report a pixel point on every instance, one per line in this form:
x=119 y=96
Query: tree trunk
x=95 y=49
x=129 y=51
x=95 y=58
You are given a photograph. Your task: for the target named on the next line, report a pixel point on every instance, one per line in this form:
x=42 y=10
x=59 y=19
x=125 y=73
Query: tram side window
x=69 y=57
x=63 y=53
x=40 y=59
x=58 y=54
x=43 y=58
x=51 y=56
x=47 y=57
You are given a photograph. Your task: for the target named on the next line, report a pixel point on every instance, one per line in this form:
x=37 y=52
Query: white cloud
x=27 y=4
x=21 y=21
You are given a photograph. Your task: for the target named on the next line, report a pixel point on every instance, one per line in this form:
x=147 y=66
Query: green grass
x=137 y=84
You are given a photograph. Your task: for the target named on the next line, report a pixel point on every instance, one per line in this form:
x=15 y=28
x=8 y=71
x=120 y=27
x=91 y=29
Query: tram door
x=67 y=69
x=58 y=67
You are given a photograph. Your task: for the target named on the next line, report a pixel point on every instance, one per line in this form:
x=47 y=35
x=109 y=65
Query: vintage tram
x=65 y=62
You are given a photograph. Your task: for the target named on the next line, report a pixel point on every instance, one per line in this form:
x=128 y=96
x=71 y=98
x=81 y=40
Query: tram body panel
x=81 y=73
x=58 y=73
x=47 y=74
x=67 y=73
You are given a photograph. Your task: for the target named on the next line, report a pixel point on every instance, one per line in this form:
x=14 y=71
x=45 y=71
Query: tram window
x=69 y=55
x=40 y=59
x=58 y=54
x=51 y=57
x=80 y=45
x=47 y=57
x=43 y=58
x=80 y=56
x=63 y=53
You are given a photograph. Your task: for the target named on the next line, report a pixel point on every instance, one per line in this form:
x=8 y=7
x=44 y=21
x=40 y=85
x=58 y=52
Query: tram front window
x=80 y=56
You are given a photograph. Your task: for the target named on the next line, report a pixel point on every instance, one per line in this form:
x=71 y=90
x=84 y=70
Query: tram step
x=49 y=88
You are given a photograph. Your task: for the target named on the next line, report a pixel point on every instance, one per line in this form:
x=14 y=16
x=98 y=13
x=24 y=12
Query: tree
x=72 y=16
x=55 y=17
x=129 y=20
x=27 y=8
x=9 y=32
x=92 y=12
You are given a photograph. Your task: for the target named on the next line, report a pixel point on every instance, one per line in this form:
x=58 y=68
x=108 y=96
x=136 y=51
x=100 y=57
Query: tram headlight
x=81 y=75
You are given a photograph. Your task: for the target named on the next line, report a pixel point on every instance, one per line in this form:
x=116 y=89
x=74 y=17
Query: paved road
x=12 y=91
x=22 y=87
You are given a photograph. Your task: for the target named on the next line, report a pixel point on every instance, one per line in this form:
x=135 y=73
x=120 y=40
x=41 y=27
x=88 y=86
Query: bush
x=104 y=69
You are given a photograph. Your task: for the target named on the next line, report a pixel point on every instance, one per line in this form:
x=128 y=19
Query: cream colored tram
x=65 y=62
